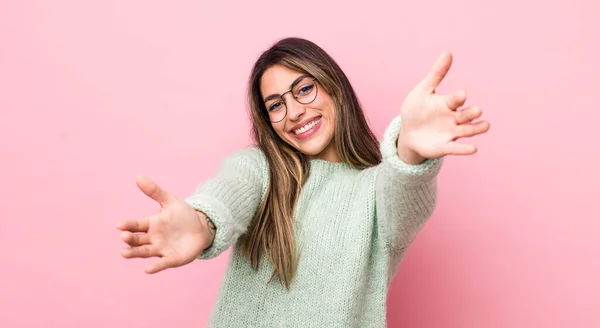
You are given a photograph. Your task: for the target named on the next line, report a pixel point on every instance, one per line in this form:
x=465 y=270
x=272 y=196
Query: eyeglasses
x=304 y=90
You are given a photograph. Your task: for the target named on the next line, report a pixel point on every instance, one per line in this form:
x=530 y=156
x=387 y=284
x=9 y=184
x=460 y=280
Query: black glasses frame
x=314 y=79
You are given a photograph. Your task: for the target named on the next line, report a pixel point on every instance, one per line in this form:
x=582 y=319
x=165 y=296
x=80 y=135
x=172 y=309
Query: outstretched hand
x=432 y=122
x=177 y=234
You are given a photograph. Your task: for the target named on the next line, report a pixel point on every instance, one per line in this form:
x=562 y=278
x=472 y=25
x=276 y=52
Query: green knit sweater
x=352 y=229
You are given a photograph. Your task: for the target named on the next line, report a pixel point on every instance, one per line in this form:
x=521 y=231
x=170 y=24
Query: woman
x=320 y=214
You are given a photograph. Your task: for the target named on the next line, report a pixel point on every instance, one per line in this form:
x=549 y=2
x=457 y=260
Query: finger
x=472 y=129
x=438 y=72
x=456 y=148
x=467 y=115
x=143 y=251
x=140 y=225
x=455 y=99
x=152 y=190
x=159 y=265
x=135 y=239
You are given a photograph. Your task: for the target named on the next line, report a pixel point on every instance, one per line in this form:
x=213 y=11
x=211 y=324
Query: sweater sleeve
x=405 y=194
x=232 y=197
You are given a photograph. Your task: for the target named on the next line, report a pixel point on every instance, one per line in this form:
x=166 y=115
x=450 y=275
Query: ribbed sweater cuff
x=221 y=217
x=408 y=174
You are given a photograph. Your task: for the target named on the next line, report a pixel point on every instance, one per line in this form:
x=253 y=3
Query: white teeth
x=306 y=127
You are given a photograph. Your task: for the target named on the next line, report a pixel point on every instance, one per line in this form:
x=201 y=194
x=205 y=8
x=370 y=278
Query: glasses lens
x=276 y=109
x=306 y=90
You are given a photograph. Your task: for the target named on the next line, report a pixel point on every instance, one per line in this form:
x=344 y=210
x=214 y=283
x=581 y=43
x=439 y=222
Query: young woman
x=320 y=214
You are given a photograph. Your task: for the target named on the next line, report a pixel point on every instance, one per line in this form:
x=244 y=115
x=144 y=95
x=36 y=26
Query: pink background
x=94 y=92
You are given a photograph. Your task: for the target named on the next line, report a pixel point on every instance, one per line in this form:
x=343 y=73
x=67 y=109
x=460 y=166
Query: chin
x=314 y=147
x=312 y=151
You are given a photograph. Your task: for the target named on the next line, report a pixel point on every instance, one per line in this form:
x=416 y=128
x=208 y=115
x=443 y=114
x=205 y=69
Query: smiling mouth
x=307 y=127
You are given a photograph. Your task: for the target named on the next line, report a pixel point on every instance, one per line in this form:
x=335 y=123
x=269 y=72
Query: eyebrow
x=296 y=81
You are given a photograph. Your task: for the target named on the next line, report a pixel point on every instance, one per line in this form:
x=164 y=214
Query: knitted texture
x=352 y=229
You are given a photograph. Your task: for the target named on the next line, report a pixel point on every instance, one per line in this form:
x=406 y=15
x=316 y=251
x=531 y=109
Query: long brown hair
x=271 y=230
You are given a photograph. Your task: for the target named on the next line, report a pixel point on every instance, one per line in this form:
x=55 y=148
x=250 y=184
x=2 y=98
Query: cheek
x=329 y=106
x=279 y=130
x=331 y=112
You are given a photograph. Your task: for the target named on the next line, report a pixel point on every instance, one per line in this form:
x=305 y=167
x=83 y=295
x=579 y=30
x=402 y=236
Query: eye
x=275 y=106
x=303 y=91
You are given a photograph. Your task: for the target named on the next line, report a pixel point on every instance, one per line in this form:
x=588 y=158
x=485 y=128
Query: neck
x=329 y=154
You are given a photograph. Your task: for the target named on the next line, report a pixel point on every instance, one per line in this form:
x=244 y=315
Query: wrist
x=209 y=228
x=406 y=154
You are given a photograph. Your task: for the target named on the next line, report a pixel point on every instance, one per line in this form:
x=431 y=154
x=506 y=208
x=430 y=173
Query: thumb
x=457 y=148
x=162 y=264
x=438 y=72
x=152 y=190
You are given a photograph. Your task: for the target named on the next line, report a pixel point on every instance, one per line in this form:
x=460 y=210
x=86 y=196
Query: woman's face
x=308 y=125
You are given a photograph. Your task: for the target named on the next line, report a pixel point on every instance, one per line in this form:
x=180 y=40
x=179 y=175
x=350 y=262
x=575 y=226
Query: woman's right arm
x=231 y=198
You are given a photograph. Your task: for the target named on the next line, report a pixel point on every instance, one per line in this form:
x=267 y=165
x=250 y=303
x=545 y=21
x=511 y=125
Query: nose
x=295 y=110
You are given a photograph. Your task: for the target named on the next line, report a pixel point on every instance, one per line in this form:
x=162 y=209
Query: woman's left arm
x=413 y=149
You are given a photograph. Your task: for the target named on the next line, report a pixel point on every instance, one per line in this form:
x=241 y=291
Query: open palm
x=175 y=234
x=432 y=122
